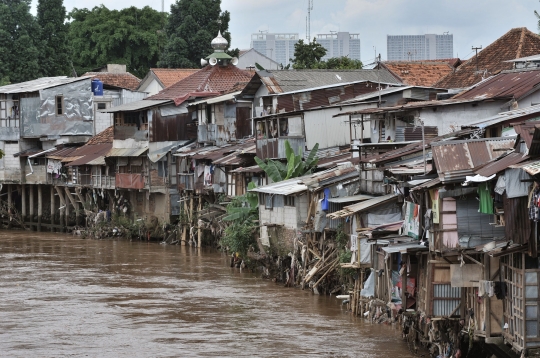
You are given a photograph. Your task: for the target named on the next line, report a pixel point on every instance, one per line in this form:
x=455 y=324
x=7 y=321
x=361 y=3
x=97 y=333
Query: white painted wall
x=285 y=216
x=321 y=127
x=151 y=88
x=10 y=167
x=248 y=59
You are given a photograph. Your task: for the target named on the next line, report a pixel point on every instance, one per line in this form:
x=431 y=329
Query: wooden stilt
x=40 y=206
x=23 y=202
x=53 y=208
x=63 y=205
x=9 y=201
x=31 y=205
x=199 y=232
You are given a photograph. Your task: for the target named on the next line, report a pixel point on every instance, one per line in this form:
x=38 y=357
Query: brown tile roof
x=516 y=43
x=169 y=76
x=209 y=80
x=453 y=62
x=106 y=136
x=418 y=73
x=123 y=80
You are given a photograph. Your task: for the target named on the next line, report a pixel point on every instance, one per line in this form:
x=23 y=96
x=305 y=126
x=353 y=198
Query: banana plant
x=244 y=206
x=296 y=166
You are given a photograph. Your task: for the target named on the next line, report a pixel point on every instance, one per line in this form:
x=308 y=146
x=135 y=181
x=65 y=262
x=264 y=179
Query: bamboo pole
x=23 y=202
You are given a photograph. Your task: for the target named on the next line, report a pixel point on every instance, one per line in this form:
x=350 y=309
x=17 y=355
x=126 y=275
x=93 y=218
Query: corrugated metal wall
x=471 y=222
x=445 y=299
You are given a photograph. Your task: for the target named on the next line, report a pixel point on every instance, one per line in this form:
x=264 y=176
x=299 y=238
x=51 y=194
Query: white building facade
x=278 y=47
x=340 y=44
x=419 y=47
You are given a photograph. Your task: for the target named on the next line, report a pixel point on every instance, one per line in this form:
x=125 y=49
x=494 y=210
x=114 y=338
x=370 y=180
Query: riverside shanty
x=414 y=198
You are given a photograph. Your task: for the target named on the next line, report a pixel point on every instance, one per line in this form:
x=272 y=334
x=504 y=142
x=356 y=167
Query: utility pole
x=308 y=20
x=476 y=49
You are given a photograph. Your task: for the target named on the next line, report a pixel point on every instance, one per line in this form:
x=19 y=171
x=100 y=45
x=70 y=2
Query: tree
x=130 y=36
x=340 y=63
x=18 y=49
x=192 y=26
x=54 y=53
x=295 y=167
x=307 y=55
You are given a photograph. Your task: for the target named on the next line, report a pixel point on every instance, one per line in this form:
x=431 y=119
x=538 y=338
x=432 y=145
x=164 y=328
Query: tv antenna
x=308 y=20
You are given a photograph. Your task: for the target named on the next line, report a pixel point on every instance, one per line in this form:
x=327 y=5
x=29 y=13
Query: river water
x=64 y=296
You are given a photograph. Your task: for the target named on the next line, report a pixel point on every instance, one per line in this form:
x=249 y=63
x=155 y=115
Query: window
x=102 y=105
x=136 y=169
x=59 y=105
x=289 y=201
x=268 y=201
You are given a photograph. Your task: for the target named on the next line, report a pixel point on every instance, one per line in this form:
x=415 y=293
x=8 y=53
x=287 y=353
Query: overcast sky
x=472 y=22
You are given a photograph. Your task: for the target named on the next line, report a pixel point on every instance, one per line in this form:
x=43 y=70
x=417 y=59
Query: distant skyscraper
x=419 y=47
x=279 y=47
x=340 y=44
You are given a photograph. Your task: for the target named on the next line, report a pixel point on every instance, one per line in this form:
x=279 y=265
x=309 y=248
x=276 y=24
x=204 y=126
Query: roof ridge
x=521 y=40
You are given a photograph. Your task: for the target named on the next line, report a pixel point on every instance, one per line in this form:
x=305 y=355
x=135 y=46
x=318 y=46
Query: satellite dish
x=213 y=61
x=203 y=62
x=234 y=61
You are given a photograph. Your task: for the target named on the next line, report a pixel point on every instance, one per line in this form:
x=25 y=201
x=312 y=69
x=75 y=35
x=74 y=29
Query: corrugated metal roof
x=62 y=153
x=505 y=116
x=158 y=150
x=126 y=152
x=532 y=167
x=286 y=187
x=225 y=97
x=404 y=247
x=295 y=80
x=427 y=185
x=376 y=94
x=98 y=161
x=456 y=159
x=506 y=85
x=501 y=164
x=349 y=199
x=363 y=206
x=251 y=169
x=40 y=83
x=88 y=153
x=333 y=85
x=135 y=106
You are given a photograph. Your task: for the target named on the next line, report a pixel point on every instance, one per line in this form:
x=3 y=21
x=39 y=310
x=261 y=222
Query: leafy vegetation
x=130 y=36
x=191 y=27
x=54 y=55
x=295 y=167
x=344 y=253
x=19 y=45
x=242 y=214
x=309 y=55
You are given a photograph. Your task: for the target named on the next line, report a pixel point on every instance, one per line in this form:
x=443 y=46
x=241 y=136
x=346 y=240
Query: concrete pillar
x=53 y=208
x=23 y=202
x=40 y=206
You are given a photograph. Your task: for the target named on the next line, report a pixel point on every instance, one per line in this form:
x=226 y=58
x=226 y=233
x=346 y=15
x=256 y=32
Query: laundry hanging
x=486 y=200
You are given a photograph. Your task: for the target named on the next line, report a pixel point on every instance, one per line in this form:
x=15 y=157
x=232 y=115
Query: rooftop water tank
x=97 y=87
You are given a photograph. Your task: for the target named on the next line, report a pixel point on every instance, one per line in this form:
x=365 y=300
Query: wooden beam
x=473 y=260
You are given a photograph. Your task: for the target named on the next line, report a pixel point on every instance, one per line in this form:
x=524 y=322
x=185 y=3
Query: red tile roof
x=516 y=43
x=106 y=136
x=169 y=76
x=123 y=80
x=209 y=80
x=418 y=73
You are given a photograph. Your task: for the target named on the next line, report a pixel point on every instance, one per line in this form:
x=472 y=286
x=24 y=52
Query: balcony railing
x=129 y=181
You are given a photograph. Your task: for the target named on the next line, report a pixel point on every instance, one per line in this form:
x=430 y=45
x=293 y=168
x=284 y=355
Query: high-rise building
x=419 y=47
x=279 y=47
x=340 y=44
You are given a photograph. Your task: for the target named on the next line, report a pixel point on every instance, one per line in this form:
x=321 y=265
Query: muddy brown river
x=64 y=296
